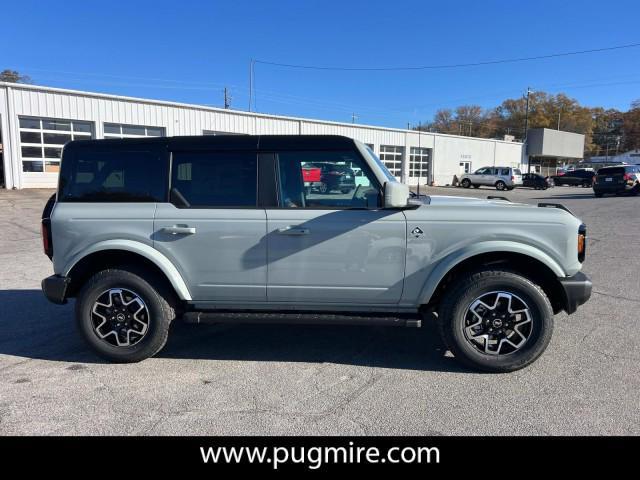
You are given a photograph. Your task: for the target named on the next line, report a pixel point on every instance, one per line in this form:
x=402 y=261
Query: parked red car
x=311 y=174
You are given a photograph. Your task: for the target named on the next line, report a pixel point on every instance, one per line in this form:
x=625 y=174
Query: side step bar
x=298 y=318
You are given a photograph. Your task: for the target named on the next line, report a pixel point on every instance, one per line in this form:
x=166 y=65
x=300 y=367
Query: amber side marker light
x=582 y=242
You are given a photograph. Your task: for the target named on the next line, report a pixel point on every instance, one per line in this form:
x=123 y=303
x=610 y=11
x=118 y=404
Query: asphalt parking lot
x=285 y=380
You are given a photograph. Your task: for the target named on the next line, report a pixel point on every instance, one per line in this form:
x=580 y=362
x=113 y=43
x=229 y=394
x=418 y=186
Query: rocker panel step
x=302 y=318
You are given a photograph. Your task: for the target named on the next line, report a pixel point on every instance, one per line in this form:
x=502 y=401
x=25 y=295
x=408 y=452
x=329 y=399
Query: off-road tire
x=159 y=300
x=465 y=289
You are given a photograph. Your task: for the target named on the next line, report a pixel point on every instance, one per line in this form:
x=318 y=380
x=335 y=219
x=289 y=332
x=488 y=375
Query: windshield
x=385 y=170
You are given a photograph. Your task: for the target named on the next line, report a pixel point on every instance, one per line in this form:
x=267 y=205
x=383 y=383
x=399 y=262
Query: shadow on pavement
x=33 y=328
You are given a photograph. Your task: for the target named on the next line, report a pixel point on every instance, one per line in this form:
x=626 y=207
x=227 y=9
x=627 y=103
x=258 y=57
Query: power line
x=446 y=66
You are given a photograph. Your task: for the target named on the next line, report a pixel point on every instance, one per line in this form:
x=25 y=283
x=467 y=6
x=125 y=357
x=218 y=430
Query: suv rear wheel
x=123 y=316
x=496 y=320
x=500 y=185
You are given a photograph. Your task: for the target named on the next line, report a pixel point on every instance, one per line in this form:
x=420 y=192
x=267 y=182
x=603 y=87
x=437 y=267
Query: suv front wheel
x=495 y=320
x=123 y=316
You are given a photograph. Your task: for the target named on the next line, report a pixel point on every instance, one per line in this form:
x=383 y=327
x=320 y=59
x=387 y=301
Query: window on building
x=116 y=130
x=214 y=179
x=419 y=162
x=391 y=156
x=326 y=180
x=42 y=139
x=465 y=167
x=217 y=132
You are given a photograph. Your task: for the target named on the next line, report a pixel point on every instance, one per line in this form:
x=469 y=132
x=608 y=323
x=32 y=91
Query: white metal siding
x=182 y=119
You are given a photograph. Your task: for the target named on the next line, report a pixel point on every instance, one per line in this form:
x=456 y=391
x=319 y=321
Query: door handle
x=293 y=231
x=176 y=230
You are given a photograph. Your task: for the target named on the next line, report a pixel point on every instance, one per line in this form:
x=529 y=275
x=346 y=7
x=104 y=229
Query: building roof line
x=24 y=86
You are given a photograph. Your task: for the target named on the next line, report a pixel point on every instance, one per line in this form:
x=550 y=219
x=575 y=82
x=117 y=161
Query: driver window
x=325 y=180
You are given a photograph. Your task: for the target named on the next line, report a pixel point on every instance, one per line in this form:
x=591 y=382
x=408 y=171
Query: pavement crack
x=618 y=297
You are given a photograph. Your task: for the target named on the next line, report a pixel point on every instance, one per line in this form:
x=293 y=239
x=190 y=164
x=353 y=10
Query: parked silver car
x=222 y=229
x=502 y=178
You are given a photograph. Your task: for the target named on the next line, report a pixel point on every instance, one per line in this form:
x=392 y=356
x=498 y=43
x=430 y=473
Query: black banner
x=500 y=456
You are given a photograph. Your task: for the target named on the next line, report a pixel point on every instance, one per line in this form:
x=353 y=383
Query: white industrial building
x=35 y=122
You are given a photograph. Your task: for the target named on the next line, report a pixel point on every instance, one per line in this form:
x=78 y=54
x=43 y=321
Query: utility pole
x=419 y=156
x=353 y=117
x=227 y=98
x=526 y=130
x=251 y=64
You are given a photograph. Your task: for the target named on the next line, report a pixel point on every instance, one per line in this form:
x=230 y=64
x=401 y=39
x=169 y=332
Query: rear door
x=335 y=247
x=492 y=177
x=575 y=177
x=212 y=228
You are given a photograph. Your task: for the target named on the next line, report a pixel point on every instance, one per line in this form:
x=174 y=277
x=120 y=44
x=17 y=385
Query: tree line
x=607 y=131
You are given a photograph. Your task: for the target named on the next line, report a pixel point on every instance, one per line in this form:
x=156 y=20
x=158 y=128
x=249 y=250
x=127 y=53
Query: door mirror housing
x=396 y=195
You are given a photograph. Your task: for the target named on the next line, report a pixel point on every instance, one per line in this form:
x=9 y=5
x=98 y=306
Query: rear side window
x=117 y=175
x=611 y=171
x=504 y=171
x=214 y=179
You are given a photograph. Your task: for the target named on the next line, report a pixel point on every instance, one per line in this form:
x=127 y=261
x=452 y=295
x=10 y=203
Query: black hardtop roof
x=228 y=142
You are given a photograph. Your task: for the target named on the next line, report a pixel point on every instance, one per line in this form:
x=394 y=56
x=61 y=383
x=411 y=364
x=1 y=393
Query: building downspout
x=8 y=153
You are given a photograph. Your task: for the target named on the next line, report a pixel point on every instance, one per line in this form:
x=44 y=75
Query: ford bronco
x=223 y=229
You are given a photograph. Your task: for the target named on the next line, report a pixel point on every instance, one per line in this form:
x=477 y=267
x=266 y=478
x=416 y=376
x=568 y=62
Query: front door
x=333 y=247
x=212 y=229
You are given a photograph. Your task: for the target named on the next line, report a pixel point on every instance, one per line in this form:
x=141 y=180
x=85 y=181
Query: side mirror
x=396 y=195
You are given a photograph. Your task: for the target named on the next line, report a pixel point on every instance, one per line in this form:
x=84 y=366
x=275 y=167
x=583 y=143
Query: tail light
x=47 y=243
x=627 y=177
x=582 y=242
x=513 y=179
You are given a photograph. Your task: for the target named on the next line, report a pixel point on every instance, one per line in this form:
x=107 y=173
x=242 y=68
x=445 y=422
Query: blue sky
x=188 y=51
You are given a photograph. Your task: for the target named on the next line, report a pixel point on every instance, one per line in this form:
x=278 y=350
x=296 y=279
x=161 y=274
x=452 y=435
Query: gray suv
x=222 y=229
x=502 y=178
